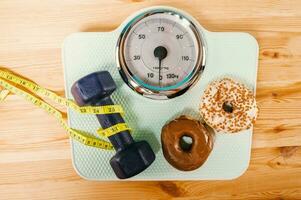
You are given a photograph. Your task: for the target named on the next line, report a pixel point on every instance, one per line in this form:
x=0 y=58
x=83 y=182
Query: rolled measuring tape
x=33 y=92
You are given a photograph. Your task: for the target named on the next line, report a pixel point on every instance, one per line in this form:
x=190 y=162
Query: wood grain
x=34 y=151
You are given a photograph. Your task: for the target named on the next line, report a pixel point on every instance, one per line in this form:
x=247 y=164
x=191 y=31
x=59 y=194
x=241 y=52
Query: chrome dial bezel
x=160 y=94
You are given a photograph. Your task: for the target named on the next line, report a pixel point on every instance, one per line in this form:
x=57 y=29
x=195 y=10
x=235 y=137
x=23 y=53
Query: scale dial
x=160 y=54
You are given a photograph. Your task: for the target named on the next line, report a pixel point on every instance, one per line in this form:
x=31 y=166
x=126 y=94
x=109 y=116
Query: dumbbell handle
x=121 y=139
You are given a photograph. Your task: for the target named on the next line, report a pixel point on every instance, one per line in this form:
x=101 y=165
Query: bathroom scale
x=153 y=93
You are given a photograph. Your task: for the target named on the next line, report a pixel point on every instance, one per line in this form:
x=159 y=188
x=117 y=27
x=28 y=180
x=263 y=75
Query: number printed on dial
x=161 y=51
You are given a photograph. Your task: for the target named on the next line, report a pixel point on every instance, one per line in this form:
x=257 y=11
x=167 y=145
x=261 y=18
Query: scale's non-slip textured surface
x=228 y=54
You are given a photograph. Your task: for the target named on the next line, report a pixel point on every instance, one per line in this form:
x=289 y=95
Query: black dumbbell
x=131 y=157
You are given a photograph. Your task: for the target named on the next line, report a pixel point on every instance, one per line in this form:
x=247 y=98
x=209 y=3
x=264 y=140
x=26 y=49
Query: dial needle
x=160 y=52
x=160 y=71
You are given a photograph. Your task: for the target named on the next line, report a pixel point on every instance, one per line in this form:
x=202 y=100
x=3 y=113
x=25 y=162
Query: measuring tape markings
x=38 y=90
x=75 y=134
x=80 y=136
x=113 y=130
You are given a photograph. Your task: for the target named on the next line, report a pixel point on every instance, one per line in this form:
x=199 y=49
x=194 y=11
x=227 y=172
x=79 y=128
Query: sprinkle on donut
x=228 y=106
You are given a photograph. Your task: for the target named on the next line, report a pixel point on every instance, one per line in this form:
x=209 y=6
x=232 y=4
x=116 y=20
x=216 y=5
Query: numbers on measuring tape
x=117 y=128
x=80 y=136
x=38 y=90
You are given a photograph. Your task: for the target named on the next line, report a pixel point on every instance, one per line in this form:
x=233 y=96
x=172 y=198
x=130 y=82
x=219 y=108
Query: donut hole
x=186 y=143
x=228 y=107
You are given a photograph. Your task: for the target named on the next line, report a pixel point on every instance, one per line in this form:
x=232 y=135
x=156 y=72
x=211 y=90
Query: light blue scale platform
x=227 y=54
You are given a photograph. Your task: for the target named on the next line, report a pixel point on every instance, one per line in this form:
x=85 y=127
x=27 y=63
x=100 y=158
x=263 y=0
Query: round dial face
x=161 y=52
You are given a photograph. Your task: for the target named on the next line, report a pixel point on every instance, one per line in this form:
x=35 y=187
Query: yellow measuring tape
x=113 y=130
x=12 y=83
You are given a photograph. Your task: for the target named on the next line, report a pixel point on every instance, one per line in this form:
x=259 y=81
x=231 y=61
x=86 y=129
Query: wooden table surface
x=35 y=158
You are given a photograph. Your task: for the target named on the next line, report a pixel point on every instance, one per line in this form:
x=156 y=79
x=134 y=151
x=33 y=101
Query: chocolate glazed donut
x=186 y=157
